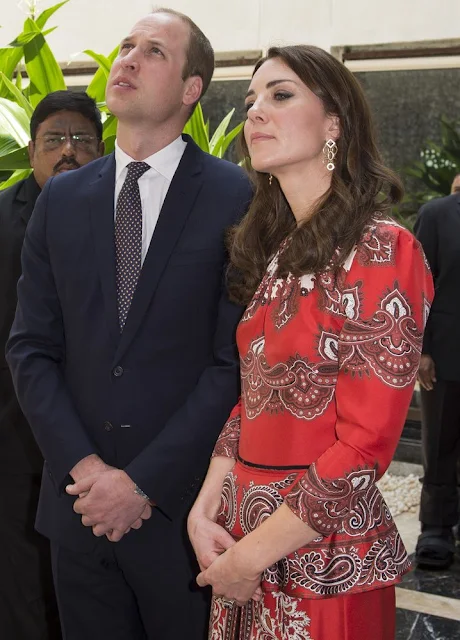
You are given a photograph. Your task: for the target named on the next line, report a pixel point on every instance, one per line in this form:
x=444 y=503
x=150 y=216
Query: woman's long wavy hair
x=361 y=187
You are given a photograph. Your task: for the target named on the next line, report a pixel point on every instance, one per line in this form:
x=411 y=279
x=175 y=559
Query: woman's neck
x=302 y=189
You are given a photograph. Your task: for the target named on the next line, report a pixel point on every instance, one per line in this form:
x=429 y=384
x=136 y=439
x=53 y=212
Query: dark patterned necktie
x=128 y=238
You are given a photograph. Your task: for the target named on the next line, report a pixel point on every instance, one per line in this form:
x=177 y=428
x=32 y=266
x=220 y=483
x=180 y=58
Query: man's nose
x=130 y=60
x=68 y=149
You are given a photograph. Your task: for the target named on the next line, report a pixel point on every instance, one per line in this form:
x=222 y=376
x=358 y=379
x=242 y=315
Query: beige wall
x=238 y=25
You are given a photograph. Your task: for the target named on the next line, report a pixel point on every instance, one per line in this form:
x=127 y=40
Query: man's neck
x=140 y=144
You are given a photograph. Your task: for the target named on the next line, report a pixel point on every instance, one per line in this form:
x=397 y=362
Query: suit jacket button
x=108 y=426
x=118 y=371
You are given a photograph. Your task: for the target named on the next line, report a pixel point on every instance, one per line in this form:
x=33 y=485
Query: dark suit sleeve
x=426 y=232
x=35 y=353
x=191 y=433
x=9 y=273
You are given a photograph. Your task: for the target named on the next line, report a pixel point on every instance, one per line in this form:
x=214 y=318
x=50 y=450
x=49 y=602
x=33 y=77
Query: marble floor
x=428 y=601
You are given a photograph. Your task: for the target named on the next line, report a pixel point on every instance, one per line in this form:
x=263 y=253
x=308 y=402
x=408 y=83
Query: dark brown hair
x=361 y=186
x=199 y=54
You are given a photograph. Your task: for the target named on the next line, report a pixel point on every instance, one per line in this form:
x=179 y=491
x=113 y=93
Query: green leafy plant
x=434 y=172
x=439 y=163
x=31 y=50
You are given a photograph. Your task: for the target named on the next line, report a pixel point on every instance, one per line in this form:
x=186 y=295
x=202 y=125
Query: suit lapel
x=177 y=206
x=101 y=199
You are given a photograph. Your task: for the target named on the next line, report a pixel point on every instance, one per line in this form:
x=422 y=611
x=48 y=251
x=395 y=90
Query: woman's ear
x=334 y=129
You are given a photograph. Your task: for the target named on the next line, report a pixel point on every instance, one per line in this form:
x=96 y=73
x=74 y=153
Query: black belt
x=275 y=467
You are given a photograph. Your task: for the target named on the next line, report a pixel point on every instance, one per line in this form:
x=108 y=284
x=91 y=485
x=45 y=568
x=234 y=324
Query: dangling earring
x=330 y=151
x=270 y=180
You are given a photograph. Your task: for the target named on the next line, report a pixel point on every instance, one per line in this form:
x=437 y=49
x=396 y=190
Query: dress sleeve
x=386 y=305
x=227 y=442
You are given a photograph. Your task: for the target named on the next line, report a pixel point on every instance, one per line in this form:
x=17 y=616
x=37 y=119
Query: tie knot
x=136 y=170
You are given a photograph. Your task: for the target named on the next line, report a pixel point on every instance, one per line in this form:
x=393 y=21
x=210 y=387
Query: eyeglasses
x=80 y=141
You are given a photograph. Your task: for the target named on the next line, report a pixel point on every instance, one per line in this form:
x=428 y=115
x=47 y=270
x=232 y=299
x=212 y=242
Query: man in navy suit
x=438 y=229
x=123 y=349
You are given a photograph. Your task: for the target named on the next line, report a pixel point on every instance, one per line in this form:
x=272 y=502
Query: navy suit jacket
x=438 y=229
x=19 y=453
x=153 y=399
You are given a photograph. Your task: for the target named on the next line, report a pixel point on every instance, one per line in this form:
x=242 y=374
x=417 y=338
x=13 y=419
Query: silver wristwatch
x=140 y=493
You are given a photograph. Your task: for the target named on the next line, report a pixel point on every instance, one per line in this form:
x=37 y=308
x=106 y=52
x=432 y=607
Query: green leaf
x=15 y=160
x=103 y=62
x=24 y=38
x=14 y=122
x=9 y=60
x=230 y=137
x=7 y=144
x=15 y=177
x=43 y=18
x=17 y=94
x=48 y=31
x=97 y=86
x=109 y=144
x=109 y=127
x=219 y=133
x=42 y=68
x=5 y=53
x=19 y=80
x=196 y=128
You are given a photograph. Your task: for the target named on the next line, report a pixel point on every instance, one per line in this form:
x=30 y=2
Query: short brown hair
x=199 y=54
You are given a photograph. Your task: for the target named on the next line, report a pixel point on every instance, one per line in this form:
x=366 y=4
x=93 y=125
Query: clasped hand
x=230 y=579
x=108 y=504
x=217 y=556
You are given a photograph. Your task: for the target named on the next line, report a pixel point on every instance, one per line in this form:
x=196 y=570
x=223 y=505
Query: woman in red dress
x=290 y=528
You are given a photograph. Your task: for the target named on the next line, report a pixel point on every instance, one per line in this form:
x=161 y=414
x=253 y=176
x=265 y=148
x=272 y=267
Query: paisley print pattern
x=328 y=364
x=227 y=443
x=302 y=388
x=359 y=546
x=390 y=344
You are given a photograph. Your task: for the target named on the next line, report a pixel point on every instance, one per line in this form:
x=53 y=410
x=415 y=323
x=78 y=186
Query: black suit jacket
x=438 y=229
x=152 y=400
x=19 y=452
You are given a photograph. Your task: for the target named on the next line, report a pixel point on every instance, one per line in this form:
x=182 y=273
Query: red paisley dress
x=328 y=366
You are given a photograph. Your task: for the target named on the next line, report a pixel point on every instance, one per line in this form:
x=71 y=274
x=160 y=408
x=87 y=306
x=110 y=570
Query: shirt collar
x=164 y=162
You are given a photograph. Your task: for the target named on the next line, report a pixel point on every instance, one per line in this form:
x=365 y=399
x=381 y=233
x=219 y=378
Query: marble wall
x=407 y=106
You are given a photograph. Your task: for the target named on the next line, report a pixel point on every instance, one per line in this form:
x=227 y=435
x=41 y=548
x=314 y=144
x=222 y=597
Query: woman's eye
x=282 y=95
x=248 y=105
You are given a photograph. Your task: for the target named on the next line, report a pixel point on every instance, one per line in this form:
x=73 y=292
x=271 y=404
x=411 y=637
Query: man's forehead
x=65 y=119
x=156 y=24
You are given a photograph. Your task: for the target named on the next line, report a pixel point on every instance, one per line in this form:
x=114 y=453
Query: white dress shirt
x=153 y=184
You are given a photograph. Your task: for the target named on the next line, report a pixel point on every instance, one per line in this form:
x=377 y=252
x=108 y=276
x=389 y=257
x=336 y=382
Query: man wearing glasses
x=66 y=134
